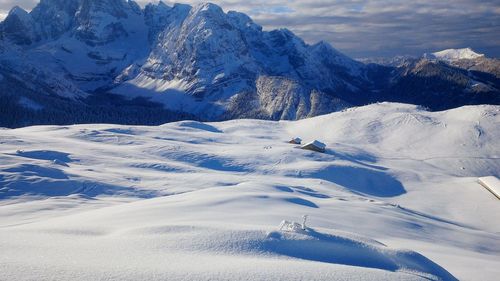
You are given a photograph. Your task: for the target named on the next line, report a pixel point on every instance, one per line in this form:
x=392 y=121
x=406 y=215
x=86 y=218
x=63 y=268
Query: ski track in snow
x=393 y=198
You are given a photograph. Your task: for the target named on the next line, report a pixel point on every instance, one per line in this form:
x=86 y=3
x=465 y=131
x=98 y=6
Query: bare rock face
x=482 y=64
x=103 y=21
x=54 y=18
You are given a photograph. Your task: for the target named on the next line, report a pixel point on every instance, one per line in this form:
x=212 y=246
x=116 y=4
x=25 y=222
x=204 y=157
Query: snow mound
x=339 y=249
x=336 y=249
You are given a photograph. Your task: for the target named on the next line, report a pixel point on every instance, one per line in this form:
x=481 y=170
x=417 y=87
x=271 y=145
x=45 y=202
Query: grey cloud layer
x=363 y=28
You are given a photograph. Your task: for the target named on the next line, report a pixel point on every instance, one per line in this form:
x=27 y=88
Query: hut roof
x=492 y=184
x=315 y=146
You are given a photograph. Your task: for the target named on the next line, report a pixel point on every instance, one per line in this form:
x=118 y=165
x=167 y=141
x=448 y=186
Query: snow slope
x=395 y=197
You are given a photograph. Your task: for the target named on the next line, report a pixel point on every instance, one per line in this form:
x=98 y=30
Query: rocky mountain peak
x=208 y=8
x=102 y=21
x=115 y=8
x=18 y=27
x=54 y=17
x=19 y=12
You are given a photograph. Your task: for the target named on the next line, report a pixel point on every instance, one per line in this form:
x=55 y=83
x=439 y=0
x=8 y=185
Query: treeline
x=60 y=111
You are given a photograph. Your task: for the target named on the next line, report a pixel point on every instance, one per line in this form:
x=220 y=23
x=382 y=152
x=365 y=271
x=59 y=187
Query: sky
x=376 y=28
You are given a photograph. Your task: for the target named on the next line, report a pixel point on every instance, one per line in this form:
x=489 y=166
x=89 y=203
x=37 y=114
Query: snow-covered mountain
x=469 y=60
x=219 y=59
x=197 y=61
x=451 y=55
x=439 y=81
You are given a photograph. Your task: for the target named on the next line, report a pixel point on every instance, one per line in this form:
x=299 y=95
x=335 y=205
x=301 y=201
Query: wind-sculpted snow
x=394 y=197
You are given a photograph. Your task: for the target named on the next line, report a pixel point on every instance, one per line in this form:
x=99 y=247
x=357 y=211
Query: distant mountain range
x=88 y=61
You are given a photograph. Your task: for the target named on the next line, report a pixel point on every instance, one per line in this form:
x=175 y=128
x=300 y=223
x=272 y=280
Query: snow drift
x=394 y=197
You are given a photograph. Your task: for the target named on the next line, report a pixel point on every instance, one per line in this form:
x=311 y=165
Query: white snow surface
x=455 y=54
x=395 y=197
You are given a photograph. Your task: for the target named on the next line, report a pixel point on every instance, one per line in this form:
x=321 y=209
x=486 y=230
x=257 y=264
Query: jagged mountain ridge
x=213 y=58
x=198 y=60
x=216 y=57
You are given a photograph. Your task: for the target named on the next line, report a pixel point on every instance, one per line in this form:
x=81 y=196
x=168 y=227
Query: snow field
x=395 y=197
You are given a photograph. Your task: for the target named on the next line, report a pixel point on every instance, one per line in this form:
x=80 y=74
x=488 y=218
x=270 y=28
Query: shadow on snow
x=320 y=247
x=362 y=180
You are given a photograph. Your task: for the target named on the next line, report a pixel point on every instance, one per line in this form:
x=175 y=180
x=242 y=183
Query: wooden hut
x=315 y=146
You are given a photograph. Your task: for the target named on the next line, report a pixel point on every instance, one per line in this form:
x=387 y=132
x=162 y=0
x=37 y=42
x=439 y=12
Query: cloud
x=363 y=28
